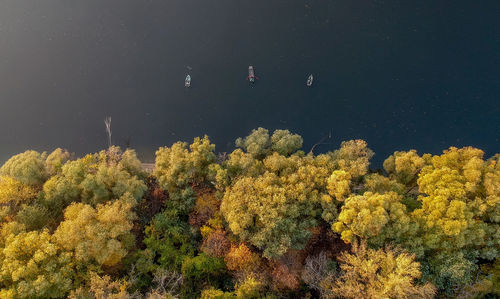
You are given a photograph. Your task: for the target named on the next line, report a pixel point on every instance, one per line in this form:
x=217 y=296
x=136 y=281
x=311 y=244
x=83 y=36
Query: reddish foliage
x=241 y=258
x=284 y=277
x=216 y=244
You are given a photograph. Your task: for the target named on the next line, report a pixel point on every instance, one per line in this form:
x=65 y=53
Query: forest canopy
x=268 y=220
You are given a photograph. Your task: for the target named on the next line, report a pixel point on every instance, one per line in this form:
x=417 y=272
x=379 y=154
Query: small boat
x=251 y=75
x=187 y=82
x=310 y=80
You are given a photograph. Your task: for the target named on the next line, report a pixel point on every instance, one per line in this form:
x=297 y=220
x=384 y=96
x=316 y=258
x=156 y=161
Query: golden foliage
x=205 y=207
x=353 y=157
x=102 y=234
x=382 y=273
x=339 y=184
x=275 y=210
x=31 y=265
x=177 y=166
x=241 y=258
x=375 y=217
x=404 y=166
x=102 y=288
x=461 y=197
x=15 y=192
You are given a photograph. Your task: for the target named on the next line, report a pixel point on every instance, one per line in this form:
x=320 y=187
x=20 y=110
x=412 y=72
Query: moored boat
x=310 y=80
x=187 y=82
x=251 y=75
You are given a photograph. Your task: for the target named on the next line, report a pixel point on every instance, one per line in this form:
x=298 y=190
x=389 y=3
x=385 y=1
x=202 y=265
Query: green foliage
x=259 y=144
x=55 y=161
x=200 y=271
x=169 y=241
x=131 y=164
x=34 y=217
x=487 y=285
x=27 y=168
x=255 y=225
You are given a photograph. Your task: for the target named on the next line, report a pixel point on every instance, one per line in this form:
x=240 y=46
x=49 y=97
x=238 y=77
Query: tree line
x=266 y=221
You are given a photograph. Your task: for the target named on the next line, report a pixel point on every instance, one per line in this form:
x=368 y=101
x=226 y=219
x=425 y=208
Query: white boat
x=187 y=82
x=310 y=80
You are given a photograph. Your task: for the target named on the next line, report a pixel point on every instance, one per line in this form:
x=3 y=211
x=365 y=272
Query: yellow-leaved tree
x=275 y=193
x=33 y=266
x=101 y=235
x=377 y=218
x=13 y=194
x=382 y=273
x=94 y=179
x=178 y=166
x=459 y=215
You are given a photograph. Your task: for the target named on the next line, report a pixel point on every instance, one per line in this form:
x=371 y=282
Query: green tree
x=55 y=161
x=27 y=168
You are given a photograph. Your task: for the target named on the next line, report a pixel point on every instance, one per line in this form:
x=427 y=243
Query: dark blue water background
x=399 y=74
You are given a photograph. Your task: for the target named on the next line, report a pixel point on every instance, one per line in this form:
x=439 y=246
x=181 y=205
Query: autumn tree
x=277 y=193
x=275 y=210
x=33 y=265
x=377 y=218
x=94 y=179
x=382 y=273
x=101 y=234
x=404 y=166
x=459 y=214
x=13 y=194
x=180 y=165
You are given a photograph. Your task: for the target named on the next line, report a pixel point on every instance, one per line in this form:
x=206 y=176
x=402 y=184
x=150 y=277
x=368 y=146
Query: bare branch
x=107 y=122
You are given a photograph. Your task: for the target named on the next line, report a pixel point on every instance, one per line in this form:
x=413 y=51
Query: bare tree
x=107 y=122
x=167 y=283
x=322 y=141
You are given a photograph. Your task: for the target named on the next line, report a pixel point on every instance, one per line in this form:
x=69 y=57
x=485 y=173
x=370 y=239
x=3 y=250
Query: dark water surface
x=399 y=74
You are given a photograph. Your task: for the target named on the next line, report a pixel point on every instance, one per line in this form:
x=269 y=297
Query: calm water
x=424 y=75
